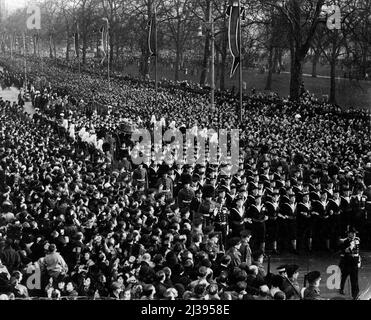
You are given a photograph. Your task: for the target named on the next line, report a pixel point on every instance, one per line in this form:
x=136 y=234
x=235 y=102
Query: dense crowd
x=74 y=205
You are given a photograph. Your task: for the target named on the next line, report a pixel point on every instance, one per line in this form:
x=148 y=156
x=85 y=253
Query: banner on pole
x=152 y=30
x=103 y=43
x=235 y=14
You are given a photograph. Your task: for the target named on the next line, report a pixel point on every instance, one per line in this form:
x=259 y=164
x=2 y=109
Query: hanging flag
x=152 y=30
x=77 y=51
x=103 y=43
x=234 y=15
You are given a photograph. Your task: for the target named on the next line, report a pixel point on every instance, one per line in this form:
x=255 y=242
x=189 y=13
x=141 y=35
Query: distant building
x=3 y=10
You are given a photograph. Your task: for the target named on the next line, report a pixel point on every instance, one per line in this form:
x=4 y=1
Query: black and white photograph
x=206 y=151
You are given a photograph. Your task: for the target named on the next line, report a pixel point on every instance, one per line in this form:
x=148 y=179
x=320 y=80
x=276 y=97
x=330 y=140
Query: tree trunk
x=280 y=53
x=217 y=67
x=332 y=98
x=54 y=48
x=275 y=61
x=296 y=80
x=35 y=46
x=268 y=85
x=205 y=60
x=314 y=64
x=68 y=43
x=84 y=48
x=112 y=48
x=177 y=63
x=50 y=48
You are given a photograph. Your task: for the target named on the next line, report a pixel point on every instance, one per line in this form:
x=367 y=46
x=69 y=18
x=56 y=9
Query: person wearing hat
x=186 y=194
x=238 y=217
x=208 y=206
x=322 y=224
x=288 y=223
x=273 y=209
x=305 y=221
x=336 y=217
x=345 y=207
x=258 y=214
x=312 y=292
x=358 y=205
x=350 y=261
x=291 y=285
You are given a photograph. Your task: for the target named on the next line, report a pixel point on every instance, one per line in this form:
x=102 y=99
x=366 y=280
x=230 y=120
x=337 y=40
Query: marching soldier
x=257 y=213
x=350 y=262
x=358 y=205
x=273 y=208
x=231 y=195
x=346 y=208
x=289 y=212
x=336 y=219
x=315 y=195
x=330 y=190
x=238 y=217
x=320 y=208
x=305 y=221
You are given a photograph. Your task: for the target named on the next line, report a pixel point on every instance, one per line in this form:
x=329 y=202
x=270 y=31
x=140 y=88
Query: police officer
x=350 y=262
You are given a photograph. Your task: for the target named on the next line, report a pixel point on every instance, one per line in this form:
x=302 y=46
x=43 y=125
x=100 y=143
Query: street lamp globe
x=199 y=33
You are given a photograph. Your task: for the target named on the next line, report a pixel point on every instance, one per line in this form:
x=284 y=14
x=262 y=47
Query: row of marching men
x=280 y=217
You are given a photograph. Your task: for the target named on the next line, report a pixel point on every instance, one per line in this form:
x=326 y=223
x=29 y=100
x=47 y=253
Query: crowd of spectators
x=75 y=207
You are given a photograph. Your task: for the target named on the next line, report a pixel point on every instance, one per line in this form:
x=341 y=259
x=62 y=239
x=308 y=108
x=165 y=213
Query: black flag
x=152 y=43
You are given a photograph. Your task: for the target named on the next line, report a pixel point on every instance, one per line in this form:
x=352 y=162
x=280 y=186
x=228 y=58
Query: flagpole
x=25 y=61
x=211 y=20
x=11 y=47
x=108 y=54
x=156 y=58
x=240 y=66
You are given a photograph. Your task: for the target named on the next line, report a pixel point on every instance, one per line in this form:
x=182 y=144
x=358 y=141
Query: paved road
x=11 y=94
x=327 y=263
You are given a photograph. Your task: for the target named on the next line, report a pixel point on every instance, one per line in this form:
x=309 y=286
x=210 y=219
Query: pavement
x=327 y=264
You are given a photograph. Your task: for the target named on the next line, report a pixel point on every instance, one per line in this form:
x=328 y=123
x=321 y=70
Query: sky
x=15 y=4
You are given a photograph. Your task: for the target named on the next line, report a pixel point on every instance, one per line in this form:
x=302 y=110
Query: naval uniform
x=336 y=219
x=305 y=220
x=273 y=209
x=257 y=214
x=290 y=211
